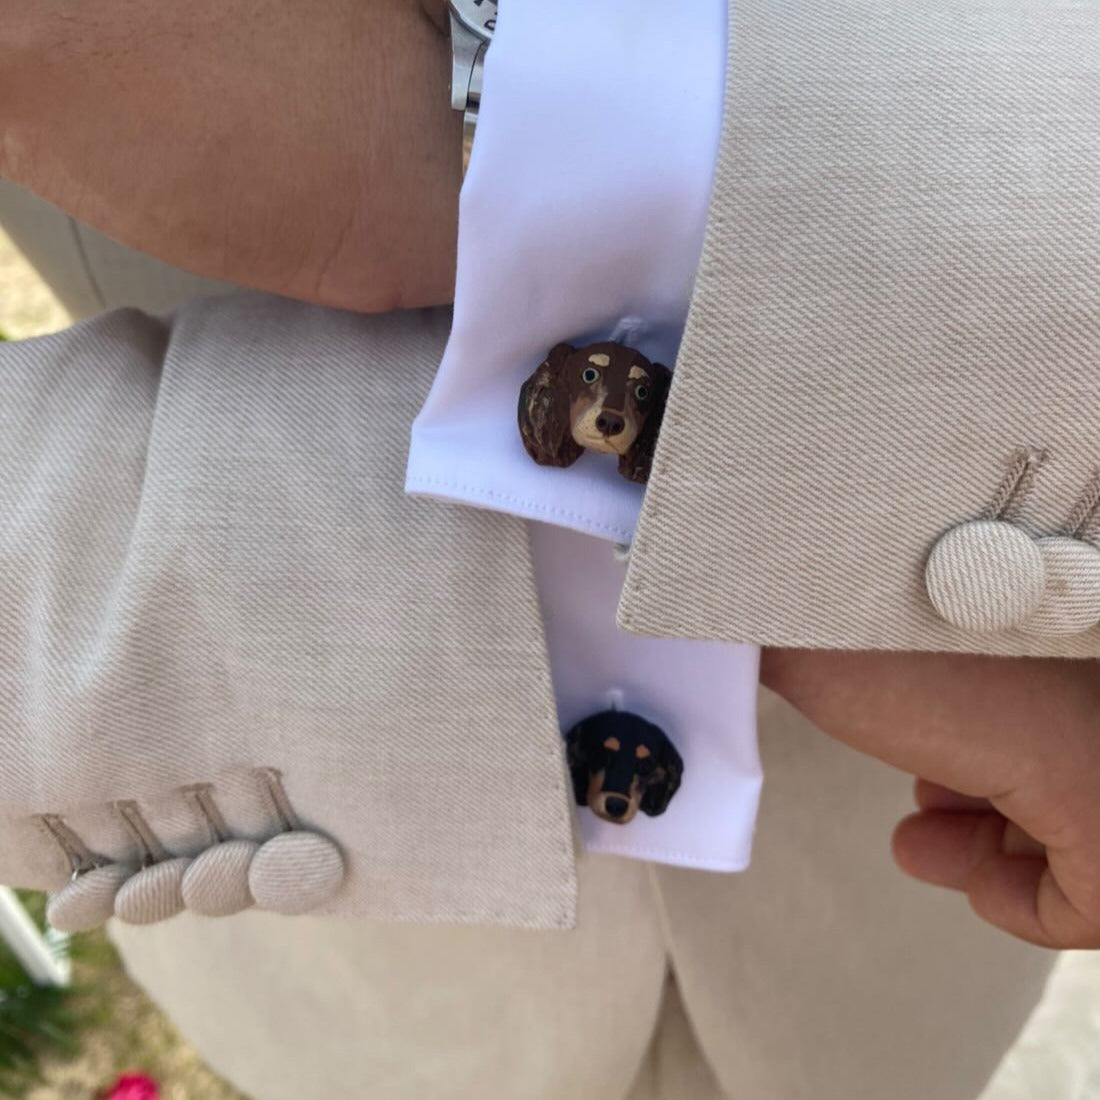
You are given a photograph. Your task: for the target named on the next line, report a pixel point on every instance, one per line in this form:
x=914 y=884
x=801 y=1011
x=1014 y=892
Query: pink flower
x=133 y=1086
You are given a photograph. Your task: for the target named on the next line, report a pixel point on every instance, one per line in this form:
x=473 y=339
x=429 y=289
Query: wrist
x=310 y=153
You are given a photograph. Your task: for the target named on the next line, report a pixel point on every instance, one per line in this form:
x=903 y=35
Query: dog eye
x=641 y=392
x=645 y=766
x=590 y=375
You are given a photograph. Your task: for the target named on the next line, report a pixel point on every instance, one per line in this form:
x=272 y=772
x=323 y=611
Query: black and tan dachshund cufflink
x=620 y=764
x=603 y=397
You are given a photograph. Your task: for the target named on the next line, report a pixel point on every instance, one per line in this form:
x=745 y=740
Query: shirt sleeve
x=582 y=219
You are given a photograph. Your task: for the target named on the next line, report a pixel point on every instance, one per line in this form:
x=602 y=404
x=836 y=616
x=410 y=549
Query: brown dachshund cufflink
x=620 y=764
x=603 y=397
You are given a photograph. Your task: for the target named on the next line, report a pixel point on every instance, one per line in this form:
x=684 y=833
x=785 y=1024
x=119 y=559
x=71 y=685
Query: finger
x=1015 y=841
x=1007 y=882
x=944 y=847
x=1020 y=895
x=931 y=796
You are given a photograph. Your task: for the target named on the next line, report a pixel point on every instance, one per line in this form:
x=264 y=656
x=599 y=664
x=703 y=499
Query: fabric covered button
x=295 y=872
x=985 y=576
x=216 y=883
x=1071 y=601
x=153 y=894
x=87 y=901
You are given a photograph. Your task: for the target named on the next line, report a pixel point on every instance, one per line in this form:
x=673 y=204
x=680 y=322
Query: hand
x=1008 y=758
x=304 y=149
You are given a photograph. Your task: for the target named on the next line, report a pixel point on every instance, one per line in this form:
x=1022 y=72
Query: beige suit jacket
x=209 y=568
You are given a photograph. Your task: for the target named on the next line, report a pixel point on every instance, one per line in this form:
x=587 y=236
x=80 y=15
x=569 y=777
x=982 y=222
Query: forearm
x=200 y=134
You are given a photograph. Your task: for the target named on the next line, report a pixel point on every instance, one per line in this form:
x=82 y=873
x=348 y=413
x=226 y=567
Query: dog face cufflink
x=620 y=764
x=604 y=397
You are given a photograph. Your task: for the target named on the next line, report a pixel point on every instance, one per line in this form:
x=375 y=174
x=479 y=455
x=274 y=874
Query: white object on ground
x=39 y=954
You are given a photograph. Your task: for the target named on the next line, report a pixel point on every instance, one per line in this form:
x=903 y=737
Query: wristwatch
x=472 y=26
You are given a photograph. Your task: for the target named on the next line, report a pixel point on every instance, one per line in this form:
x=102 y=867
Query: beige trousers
x=820 y=973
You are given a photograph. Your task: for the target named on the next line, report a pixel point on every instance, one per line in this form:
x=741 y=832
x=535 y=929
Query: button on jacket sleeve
x=210 y=575
x=895 y=332
x=581 y=221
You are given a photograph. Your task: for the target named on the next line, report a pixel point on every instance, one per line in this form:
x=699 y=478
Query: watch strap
x=467 y=69
x=473 y=105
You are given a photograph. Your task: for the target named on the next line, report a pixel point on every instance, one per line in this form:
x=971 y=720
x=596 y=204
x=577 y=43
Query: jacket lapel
x=897 y=292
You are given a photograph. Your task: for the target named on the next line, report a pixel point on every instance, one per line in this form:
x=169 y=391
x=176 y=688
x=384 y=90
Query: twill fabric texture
x=208 y=567
x=899 y=289
x=892 y=989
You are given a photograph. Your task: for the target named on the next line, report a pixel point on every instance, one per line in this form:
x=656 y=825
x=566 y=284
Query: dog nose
x=610 y=423
x=616 y=807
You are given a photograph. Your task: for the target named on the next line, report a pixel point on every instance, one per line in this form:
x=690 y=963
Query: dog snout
x=609 y=423
x=618 y=807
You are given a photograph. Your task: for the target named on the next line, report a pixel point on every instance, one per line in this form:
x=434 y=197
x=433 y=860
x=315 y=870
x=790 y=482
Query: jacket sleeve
x=881 y=433
x=224 y=627
x=76 y=413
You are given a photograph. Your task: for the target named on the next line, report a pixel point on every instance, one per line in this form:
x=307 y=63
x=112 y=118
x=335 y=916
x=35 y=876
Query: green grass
x=37 y=1021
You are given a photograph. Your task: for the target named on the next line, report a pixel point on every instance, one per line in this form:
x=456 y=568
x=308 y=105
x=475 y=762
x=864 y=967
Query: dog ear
x=544 y=412
x=665 y=781
x=576 y=756
x=636 y=463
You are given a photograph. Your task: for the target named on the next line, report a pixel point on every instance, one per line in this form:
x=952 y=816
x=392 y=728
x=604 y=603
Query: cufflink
x=604 y=397
x=620 y=764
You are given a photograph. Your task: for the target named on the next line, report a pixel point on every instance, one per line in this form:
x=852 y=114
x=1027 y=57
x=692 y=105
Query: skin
x=306 y=149
x=1007 y=755
x=309 y=149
